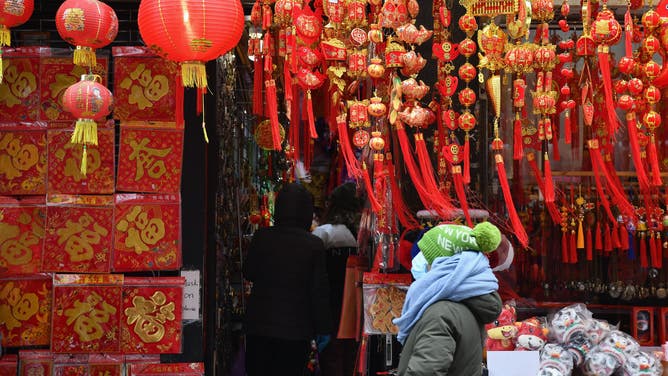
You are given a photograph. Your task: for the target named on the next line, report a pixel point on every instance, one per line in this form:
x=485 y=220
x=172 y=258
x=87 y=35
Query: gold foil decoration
x=149 y=316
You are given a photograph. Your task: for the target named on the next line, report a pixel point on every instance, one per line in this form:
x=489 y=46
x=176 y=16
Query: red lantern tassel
x=375 y=205
x=258 y=105
x=659 y=250
x=616 y=243
x=652 y=250
x=564 y=248
x=588 y=245
x=628 y=33
x=270 y=86
x=643 y=251
x=624 y=238
x=573 y=259
x=567 y=127
x=517 y=226
x=632 y=127
x=461 y=194
x=311 y=119
x=404 y=214
x=618 y=197
x=427 y=170
x=466 y=174
x=361 y=366
x=607 y=240
x=518 y=148
x=178 y=100
x=549 y=184
x=654 y=161
x=598 y=241
x=352 y=164
x=604 y=65
x=294 y=125
x=551 y=206
x=287 y=82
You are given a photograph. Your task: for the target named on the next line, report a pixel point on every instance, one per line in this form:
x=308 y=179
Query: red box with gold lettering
x=78 y=236
x=144 y=87
x=25 y=310
x=20 y=86
x=35 y=362
x=22 y=159
x=21 y=234
x=147 y=232
x=106 y=364
x=86 y=313
x=70 y=365
x=168 y=369
x=9 y=365
x=64 y=163
x=57 y=73
x=151 y=315
x=150 y=160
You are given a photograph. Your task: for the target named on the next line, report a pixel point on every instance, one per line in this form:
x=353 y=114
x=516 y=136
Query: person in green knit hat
x=454 y=295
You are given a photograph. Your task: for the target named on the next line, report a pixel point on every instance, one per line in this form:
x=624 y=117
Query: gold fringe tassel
x=85 y=57
x=193 y=74
x=5 y=36
x=206 y=136
x=85 y=132
x=84 y=160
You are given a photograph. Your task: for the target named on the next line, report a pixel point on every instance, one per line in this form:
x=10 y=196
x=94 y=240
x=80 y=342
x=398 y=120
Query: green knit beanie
x=446 y=240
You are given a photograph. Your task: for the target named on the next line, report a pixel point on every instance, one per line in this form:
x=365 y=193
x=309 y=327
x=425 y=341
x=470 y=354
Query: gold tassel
x=84 y=160
x=5 y=36
x=85 y=132
x=193 y=74
x=85 y=57
x=206 y=136
x=581 y=239
x=493 y=86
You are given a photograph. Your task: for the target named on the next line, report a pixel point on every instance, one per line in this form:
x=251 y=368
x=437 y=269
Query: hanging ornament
x=12 y=13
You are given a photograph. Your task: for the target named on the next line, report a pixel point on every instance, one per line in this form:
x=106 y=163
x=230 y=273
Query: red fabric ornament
x=88 y=25
x=517 y=226
x=606 y=31
x=89 y=101
x=191 y=32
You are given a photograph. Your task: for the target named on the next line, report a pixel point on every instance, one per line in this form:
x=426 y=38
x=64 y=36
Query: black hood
x=485 y=307
x=293 y=207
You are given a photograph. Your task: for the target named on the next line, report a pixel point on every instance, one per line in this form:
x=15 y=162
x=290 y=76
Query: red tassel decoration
x=375 y=205
x=643 y=251
x=573 y=259
x=567 y=127
x=632 y=127
x=352 y=164
x=427 y=170
x=461 y=194
x=258 y=105
x=287 y=82
x=654 y=161
x=270 y=86
x=178 y=100
x=598 y=241
x=311 y=118
x=623 y=238
x=295 y=129
x=604 y=65
x=518 y=147
x=652 y=250
x=607 y=240
x=616 y=243
x=466 y=174
x=618 y=197
x=628 y=33
x=659 y=250
x=549 y=184
x=555 y=148
x=551 y=206
x=588 y=245
x=517 y=226
x=404 y=214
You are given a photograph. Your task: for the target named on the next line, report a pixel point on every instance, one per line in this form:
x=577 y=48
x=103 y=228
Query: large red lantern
x=191 y=32
x=89 y=101
x=12 y=13
x=88 y=25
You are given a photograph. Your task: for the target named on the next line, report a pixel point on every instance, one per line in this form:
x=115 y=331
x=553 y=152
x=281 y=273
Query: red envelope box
x=25 y=310
x=150 y=160
x=70 y=365
x=23 y=159
x=144 y=86
x=139 y=360
x=35 y=363
x=9 y=365
x=151 y=315
x=78 y=234
x=105 y=364
x=20 y=87
x=147 y=232
x=21 y=234
x=57 y=73
x=168 y=369
x=86 y=313
x=64 y=163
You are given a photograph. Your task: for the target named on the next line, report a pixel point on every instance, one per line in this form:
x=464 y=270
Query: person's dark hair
x=344 y=207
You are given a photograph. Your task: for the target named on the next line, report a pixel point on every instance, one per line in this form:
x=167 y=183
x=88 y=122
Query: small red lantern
x=13 y=13
x=652 y=94
x=466 y=121
x=652 y=120
x=86 y=24
x=467 y=47
x=89 y=101
x=467 y=97
x=467 y=72
x=191 y=32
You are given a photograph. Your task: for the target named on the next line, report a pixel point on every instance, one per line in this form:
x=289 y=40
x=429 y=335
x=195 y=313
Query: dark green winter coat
x=449 y=337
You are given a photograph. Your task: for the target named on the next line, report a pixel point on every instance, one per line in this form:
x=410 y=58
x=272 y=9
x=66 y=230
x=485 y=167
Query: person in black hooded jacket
x=289 y=301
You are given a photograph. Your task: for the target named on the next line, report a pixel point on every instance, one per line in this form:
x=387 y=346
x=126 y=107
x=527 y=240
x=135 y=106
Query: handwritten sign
x=515 y=363
x=191 y=295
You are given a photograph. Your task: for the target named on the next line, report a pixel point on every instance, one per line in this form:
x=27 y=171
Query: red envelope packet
x=21 y=234
x=169 y=369
x=70 y=365
x=22 y=159
x=144 y=87
x=20 y=87
x=9 y=365
x=64 y=163
x=35 y=363
x=78 y=236
x=151 y=315
x=150 y=160
x=105 y=364
x=25 y=309
x=147 y=232
x=86 y=313
x=57 y=74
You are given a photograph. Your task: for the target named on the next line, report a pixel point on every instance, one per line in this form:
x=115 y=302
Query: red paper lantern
x=191 y=32
x=89 y=101
x=86 y=24
x=13 y=13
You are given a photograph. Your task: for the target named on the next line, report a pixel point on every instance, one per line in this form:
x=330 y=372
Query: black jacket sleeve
x=320 y=294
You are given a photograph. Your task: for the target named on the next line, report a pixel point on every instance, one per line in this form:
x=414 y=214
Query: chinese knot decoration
x=89 y=101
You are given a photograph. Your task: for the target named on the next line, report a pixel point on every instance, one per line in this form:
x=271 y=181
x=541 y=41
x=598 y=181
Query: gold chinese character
x=148 y=158
x=15 y=246
x=141 y=230
x=149 y=316
x=16 y=306
x=150 y=89
x=87 y=318
x=78 y=237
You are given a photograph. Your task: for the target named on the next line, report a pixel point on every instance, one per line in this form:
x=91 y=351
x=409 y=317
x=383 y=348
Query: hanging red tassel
x=461 y=194
x=466 y=174
x=551 y=206
x=628 y=33
x=598 y=242
x=375 y=205
x=404 y=214
x=618 y=197
x=270 y=87
x=555 y=148
x=565 y=255
x=616 y=243
x=607 y=240
x=604 y=65
x=517 y=226
x=652 y=250
x=352 y=164
x=518 y=147
x=311 y=118
x=549 y=184
x=588 y=245
x=567 y=127
x=295 y=129
x=178 y=100
x=624 y=238
x=427 y=170
x=659 y=250
x=643 y=251
x=632 y=127
x=654 y=161
x=287 y=82
x=258 y=104
x=573 y=259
